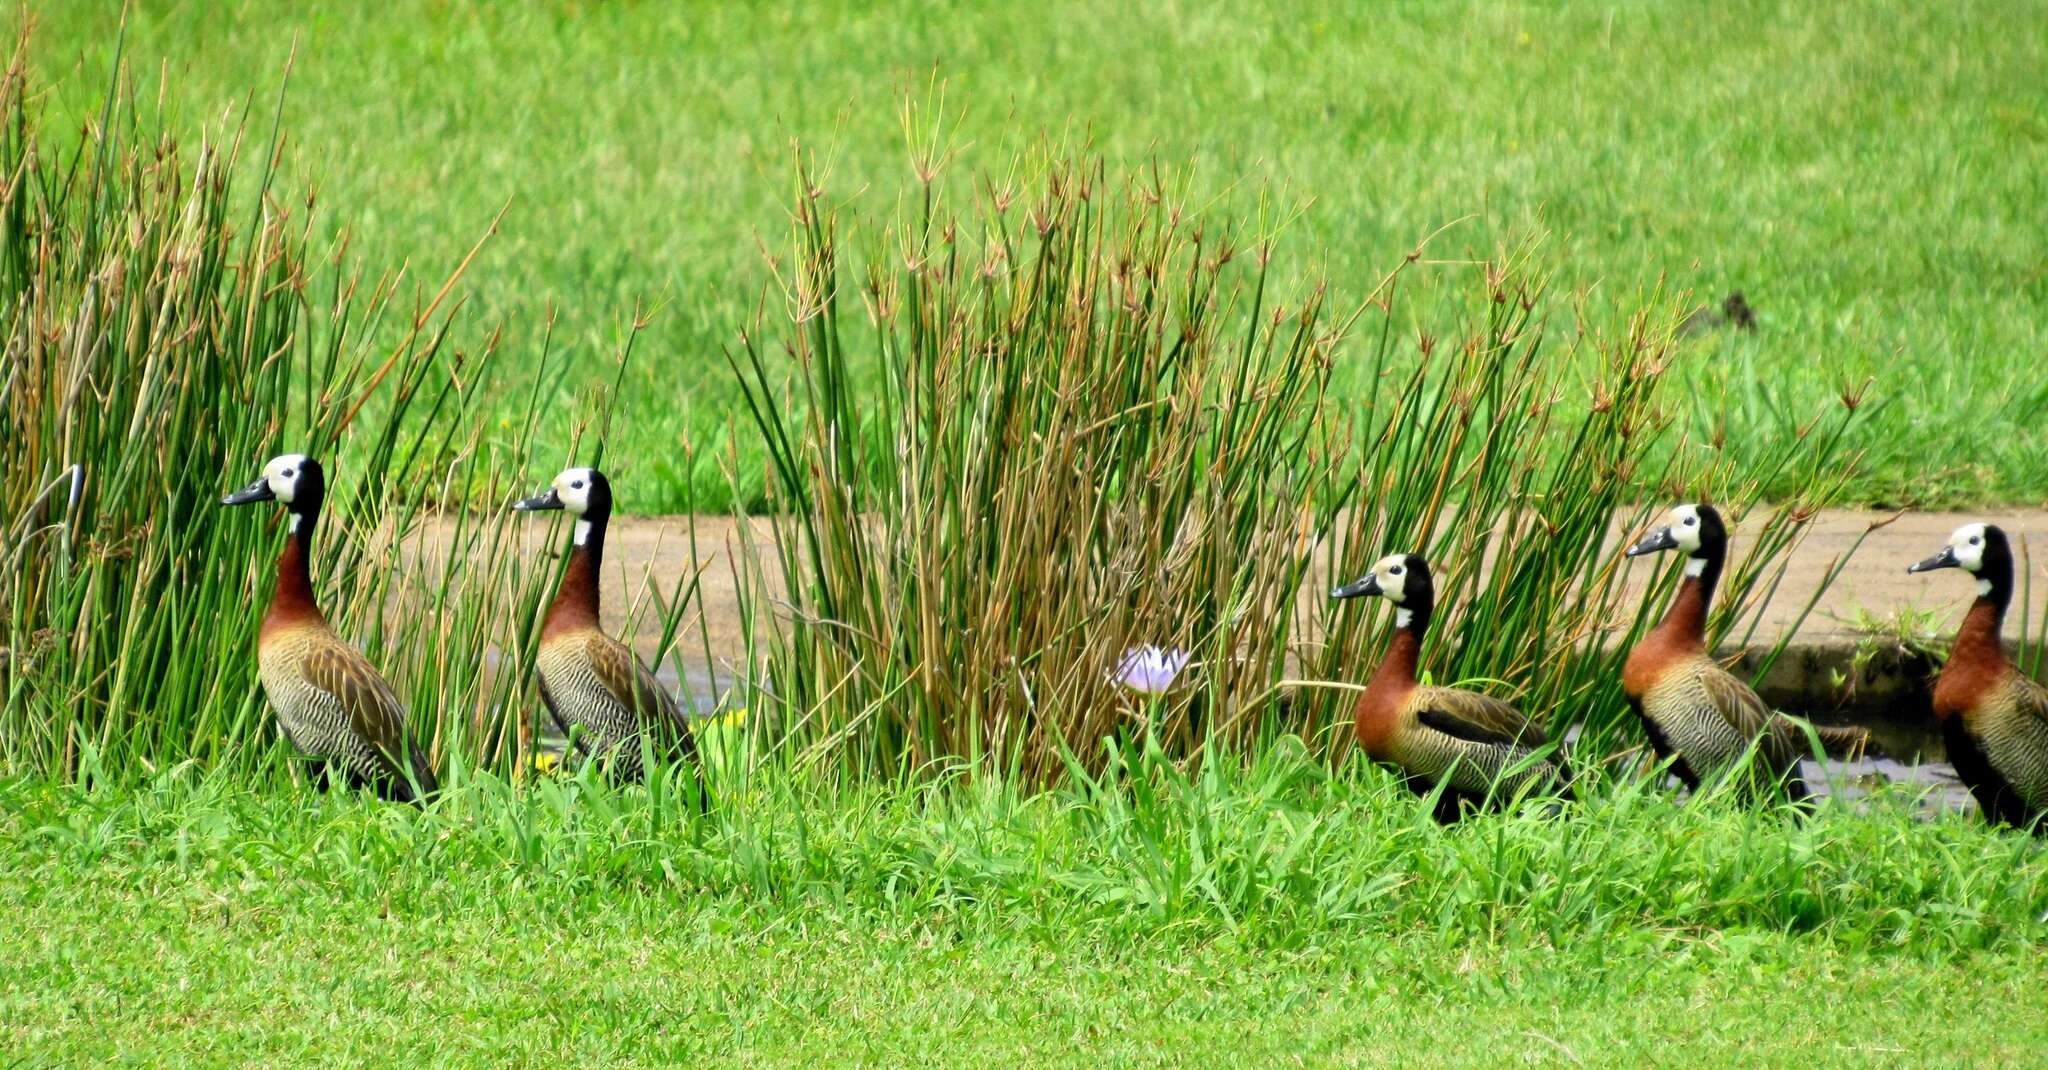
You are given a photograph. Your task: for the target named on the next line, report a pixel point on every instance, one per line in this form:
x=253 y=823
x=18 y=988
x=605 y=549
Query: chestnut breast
x=1648 y=662
x=1379 y=715
x=1965 y=683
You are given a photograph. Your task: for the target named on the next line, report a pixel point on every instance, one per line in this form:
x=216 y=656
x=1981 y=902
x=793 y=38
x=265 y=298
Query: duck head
x=1695 y=529
x=1978 y=549
x=1402 y=579
x=293 y=479
x=583 y=493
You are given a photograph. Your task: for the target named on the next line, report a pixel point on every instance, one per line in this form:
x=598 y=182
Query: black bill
x=1363 y=588
x=547 y=499
x=258 y=491
x=1658 y=539
x=1945 y=559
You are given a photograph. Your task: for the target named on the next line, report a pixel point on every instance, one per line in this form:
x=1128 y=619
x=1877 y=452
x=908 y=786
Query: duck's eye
x=578 y=485
x=287 y=473
x=1395 y=571
x=1691 y=520
x=1975 y=539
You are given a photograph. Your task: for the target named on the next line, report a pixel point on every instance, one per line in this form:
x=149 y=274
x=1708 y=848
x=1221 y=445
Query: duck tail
x=416 y=785
x=1843 y=741
x=1836 y=741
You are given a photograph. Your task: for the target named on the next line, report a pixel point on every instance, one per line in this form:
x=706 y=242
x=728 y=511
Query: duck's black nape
x=309 y=493
x=1418 y=593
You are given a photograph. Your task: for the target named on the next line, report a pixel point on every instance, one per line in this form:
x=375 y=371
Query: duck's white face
x=1968 y=544
x=1684 y=522
x=573 y=487
x=1392 y=574
x=282 y=473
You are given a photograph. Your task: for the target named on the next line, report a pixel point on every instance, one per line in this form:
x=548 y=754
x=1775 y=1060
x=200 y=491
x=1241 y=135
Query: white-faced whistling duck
x=1698 y=716
x=330 y=702
x=1462 y=739
x=1994 y=720
x=599 y=693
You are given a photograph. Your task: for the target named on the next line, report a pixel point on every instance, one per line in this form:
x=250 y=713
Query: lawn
x=1870 y=174
x=1275 y=914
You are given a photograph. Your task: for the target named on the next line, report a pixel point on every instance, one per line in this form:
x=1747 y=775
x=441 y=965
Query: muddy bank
x=1833 y=670
x=1832 y=664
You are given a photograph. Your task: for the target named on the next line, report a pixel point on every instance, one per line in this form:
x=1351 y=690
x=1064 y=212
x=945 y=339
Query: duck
x=331 y=704
x=1461 y=741
x=1734 y=312
x=1699 y=717
x=598 y=692
x=1994 y=719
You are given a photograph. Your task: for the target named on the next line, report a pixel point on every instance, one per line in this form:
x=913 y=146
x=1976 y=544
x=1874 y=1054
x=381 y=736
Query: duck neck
x=1977 y=640
x=1404 y=650
x=1686 y=621
x=575 y=605
x=293 y=598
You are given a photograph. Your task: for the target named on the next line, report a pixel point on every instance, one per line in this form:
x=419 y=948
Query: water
x=1939 y=790
x=1904 y=750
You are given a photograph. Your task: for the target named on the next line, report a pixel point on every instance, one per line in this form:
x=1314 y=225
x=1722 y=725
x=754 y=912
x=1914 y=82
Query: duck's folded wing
x=2030 y=697
x=1780 y=736
x=1736 y=702
x=2030 y=701
x=1478 y=718
x=374 y=711
x=652 y=705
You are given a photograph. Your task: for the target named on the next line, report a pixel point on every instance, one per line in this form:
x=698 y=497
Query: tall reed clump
x=169 y=326
x=1015 y=441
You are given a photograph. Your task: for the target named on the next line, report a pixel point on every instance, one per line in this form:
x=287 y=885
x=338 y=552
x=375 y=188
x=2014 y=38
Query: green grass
x=1316 y=917
x=1870 y=174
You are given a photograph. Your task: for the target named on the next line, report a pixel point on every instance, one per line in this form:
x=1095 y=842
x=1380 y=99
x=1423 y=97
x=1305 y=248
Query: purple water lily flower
x=1148 y=669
